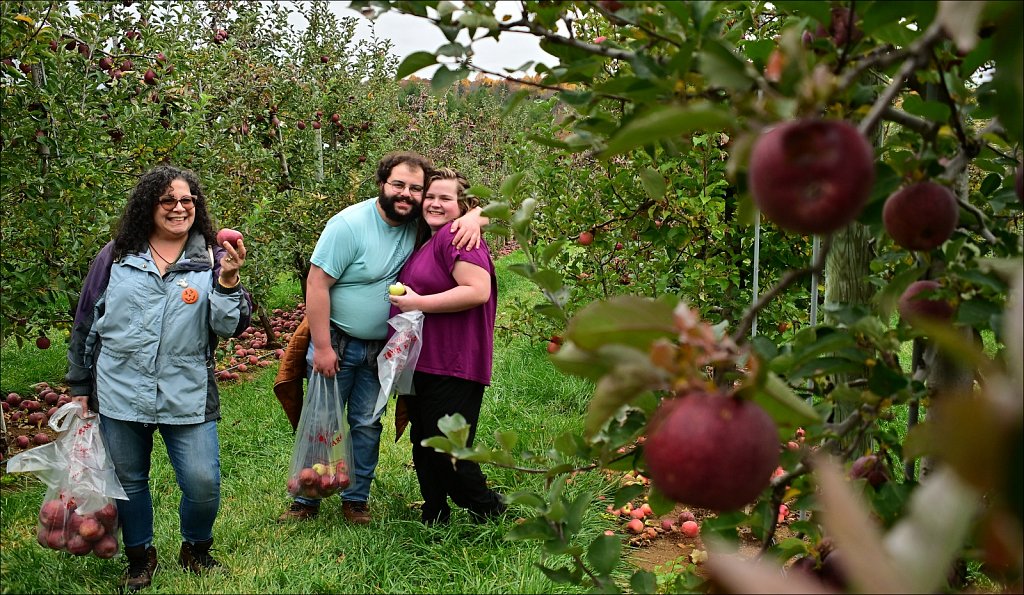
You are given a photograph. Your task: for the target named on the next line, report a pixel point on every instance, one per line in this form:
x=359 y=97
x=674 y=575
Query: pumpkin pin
x=190 y=295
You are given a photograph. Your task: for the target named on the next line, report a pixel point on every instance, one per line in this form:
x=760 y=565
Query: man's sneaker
x=196 y=558
x=356 y=512
x=141 y=567
x=298 y=512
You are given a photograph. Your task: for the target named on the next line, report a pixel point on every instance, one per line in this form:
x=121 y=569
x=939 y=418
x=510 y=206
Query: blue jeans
x=358 y=387
x=194 y=452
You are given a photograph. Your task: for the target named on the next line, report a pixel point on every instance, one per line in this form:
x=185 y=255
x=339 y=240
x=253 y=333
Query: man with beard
x=359 y=254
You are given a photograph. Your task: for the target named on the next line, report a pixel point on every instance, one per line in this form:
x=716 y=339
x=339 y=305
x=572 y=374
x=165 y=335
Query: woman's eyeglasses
x=168 y=203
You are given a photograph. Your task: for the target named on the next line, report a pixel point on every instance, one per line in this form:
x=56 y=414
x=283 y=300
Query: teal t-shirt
x=365 y=255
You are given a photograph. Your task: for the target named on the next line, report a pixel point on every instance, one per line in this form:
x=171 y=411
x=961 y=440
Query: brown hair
x=465 y=202
x=446 y=173
x=389 y=161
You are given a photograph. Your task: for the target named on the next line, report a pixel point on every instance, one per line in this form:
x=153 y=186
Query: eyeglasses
x=399 y=186
x=169 y=203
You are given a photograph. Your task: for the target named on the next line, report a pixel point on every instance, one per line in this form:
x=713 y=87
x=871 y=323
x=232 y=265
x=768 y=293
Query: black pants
x=437 y=396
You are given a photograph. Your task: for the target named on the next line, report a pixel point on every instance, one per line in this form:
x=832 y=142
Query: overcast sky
x=411 y=34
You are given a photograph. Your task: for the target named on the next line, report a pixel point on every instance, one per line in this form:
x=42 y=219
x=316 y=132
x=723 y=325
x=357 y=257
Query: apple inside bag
x=323 y=447
x=396 y=362
x=78 y=514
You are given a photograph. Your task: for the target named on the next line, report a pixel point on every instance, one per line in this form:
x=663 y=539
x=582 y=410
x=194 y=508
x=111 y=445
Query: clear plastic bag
x=397 y=360
x=78 y=514
x=323 y=447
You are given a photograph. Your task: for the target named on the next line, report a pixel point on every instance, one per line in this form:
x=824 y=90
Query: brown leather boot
x=298 y=511
x=142 y=565
x=196 y=558
x=356 y=512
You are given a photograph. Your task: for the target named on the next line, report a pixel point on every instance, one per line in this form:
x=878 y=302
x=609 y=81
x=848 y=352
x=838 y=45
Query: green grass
x=395 y=554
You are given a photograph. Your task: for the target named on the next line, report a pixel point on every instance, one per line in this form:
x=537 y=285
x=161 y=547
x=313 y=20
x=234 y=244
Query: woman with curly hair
x=141 y=356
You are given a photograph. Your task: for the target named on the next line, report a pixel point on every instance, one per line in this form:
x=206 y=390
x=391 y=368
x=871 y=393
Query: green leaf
x=453 y=50
x=496 y=210
x=784 y=406
x=506 y=440
x=643 y=581
x=669 y=122
x=628 y=320
x=817 y=10
x=653 y=182
x=577 y=510
x=932 y=110
x=552 y=250
x=557 y=575
x=415 y=62
x=627 y=493
x=535 y=528
x=524 y=498
x=990 y=184
x=625 y=382
x=446 y=77
x=455 y=428
x=510 y=185
x=570 y=359
x=723 y=68
x=660 y=503
x=603 y=553
x=439 y=443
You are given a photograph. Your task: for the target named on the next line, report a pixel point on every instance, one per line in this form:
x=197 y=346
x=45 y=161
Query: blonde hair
x=446 y=173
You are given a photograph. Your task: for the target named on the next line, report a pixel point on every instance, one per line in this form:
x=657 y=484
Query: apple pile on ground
x=252 y=348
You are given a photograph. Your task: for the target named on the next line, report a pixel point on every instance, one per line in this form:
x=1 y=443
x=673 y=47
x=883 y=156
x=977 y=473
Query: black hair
x=136 y=224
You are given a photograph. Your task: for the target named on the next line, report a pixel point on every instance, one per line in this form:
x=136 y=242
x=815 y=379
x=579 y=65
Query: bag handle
x=62 y=419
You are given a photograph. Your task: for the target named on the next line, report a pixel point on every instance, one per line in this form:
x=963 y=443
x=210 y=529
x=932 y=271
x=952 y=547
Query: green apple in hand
x=396 y=289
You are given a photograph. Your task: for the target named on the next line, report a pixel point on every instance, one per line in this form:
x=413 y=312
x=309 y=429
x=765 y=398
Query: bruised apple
x=711 y=450
x=811 y=176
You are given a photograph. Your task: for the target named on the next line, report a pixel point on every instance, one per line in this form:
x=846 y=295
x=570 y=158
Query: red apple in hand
x=228 y=235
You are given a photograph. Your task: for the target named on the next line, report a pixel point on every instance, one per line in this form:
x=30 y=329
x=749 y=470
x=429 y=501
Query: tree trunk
x=846 y=282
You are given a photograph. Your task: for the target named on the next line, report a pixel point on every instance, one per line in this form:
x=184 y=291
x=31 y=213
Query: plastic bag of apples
x=323 y=448
x=78 y=514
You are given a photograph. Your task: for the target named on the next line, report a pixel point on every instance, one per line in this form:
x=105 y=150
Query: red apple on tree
x=586 y=238
x=811 y=176
x=921 y=216
x=913 y=307
x=711 y=450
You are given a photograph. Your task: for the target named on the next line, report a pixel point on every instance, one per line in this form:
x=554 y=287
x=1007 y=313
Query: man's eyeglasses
x=168 y=203
x=400 y=186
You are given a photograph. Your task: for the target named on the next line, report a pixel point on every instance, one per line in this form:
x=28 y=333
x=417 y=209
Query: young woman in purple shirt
x=458 y=293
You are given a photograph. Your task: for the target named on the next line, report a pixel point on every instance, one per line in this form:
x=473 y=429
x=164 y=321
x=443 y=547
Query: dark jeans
x=437 y=396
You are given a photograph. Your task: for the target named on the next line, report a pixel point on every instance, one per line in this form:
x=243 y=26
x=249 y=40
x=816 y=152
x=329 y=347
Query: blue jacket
x=142 y=352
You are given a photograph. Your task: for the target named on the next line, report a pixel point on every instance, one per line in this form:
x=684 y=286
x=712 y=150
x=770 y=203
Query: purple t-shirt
x=459 y=344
